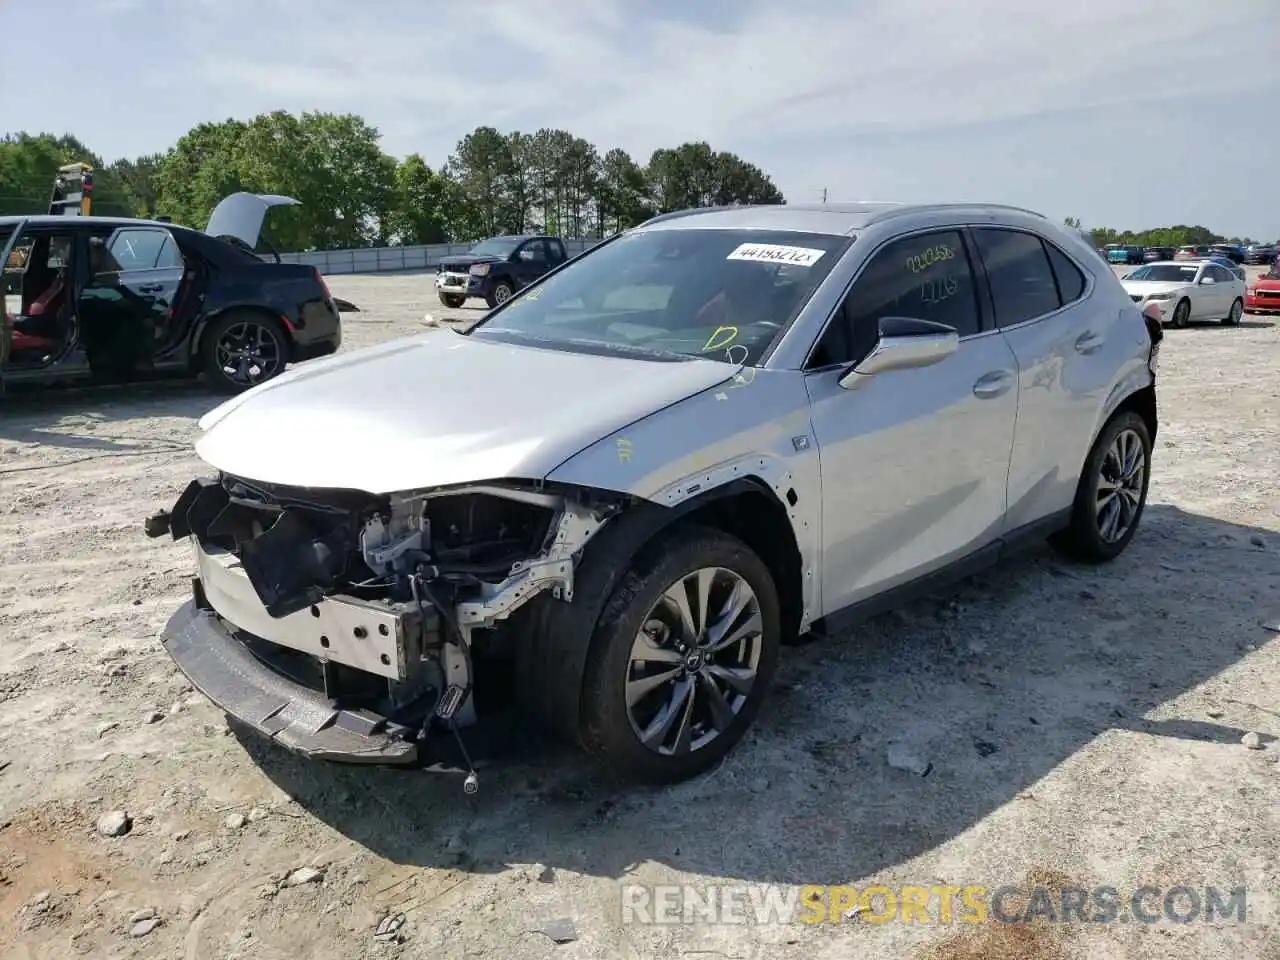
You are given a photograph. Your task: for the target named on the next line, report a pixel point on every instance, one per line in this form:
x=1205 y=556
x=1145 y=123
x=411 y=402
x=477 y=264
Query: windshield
x=494 y=248
x=674 y=294
x=1165 y=273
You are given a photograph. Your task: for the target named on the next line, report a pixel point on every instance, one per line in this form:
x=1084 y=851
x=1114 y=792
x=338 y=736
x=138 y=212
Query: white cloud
x=819 y=92
x=617 y=76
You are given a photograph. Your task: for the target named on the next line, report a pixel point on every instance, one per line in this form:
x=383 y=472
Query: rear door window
x=1071 y=282
x=1023 y=285
x=133 y=249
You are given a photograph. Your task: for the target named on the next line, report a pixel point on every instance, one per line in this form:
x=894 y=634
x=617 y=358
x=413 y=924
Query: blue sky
x=1127 y=113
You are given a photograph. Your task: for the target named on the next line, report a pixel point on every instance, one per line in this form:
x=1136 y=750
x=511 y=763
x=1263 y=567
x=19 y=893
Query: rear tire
x=243 y=349
x=1112 y=493
x=1237 y=311
x=452 y=300
x=662 y=702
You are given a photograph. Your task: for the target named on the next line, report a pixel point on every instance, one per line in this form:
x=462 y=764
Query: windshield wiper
x=602 y=346
x=630 y=349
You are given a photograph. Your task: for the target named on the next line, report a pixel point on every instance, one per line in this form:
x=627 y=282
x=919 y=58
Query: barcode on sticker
x=777 y=253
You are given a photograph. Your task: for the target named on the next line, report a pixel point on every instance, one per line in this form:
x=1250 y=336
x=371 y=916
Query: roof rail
x=693 y=211
x=927 y=207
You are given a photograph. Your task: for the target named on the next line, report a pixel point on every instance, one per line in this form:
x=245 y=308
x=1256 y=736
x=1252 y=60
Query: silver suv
x=623 y=492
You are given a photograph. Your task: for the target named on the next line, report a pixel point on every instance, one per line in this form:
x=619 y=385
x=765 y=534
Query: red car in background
x=1263 y=294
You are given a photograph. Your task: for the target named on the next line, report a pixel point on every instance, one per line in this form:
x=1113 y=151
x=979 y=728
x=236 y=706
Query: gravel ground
x=1084 y=726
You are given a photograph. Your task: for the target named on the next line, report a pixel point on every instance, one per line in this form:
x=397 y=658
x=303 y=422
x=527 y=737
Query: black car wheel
x=1111 y=494
x=1180 y=314
x=502 y=292
x=681 y=658
x=242 y=350
x=452 y=300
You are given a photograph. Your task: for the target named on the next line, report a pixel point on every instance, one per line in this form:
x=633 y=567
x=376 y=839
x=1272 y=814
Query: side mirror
x=904 y=343
x=1204 y=282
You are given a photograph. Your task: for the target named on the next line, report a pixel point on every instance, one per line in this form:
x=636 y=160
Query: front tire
x=1180 y=314
x=681 y=658
x=1237 y=311
x=1112 y=492
x=452 y=300
x=501 y=293
x=242 y=350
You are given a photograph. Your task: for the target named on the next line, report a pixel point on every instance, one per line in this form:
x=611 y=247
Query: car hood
x=466 y=259
x=1266 y=283
x=241 y=214
x=1148 y=287
x=438 y=409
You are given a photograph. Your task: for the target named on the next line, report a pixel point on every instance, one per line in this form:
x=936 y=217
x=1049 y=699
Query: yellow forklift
x=73 y=191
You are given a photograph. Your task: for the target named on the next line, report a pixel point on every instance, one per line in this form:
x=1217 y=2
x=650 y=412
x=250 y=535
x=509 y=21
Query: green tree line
x=355 y=195
x=1175 y=236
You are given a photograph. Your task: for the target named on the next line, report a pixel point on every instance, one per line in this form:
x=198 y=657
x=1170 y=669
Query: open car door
x=239 y=216
x=7 y=244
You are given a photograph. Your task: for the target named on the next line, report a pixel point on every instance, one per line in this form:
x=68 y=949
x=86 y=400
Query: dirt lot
x=1084 y=726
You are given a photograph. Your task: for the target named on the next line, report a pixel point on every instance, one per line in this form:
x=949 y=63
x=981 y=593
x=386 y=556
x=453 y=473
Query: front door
x=126 y=306
x=531 y=261
x=1223 y=289
x=914 y=461
x=9 y=282
x=41 y=275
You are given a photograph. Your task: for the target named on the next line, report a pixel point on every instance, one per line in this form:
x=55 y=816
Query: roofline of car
x=880 y=216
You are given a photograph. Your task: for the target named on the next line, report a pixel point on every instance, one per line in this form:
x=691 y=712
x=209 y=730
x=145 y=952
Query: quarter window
x=1023 y=286
x=925 y=277
x=1071 y=281
x=170 y=257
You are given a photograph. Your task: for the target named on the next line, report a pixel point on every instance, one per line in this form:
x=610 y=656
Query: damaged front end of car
x=345 y=625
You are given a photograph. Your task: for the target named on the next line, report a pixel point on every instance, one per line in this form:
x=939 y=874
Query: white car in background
x=1199 y=290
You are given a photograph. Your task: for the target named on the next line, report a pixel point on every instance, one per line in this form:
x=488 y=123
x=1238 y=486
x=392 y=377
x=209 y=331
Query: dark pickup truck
x=495 y=269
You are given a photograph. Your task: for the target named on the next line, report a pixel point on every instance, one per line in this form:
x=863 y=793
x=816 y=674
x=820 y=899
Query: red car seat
x=45 y=305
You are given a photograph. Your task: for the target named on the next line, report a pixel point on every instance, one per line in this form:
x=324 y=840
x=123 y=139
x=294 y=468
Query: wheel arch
x=211 y=318
x=553 y=654
x=1143 y=403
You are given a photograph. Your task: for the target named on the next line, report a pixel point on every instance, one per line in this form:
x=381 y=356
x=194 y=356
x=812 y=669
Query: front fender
x=756 y=425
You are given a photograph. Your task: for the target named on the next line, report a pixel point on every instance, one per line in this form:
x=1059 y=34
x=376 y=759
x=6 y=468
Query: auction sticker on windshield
x=776 y=253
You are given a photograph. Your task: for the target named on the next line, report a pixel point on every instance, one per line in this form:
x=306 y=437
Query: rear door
x=126 y=306
x=1064 y=346
x=532 y=260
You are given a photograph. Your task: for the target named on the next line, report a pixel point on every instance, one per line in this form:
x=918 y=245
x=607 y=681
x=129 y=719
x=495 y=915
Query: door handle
x=993 y=384
x=150 y=287
x=1089 y=342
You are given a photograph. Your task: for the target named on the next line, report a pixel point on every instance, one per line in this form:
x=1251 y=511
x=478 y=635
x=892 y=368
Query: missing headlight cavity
x=298 y=546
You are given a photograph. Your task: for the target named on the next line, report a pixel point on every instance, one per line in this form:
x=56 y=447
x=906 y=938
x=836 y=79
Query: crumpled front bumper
x=294 y=716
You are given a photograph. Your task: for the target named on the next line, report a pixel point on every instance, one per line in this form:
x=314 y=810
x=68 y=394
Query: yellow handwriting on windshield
x=721 y=338
x=930 y=257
